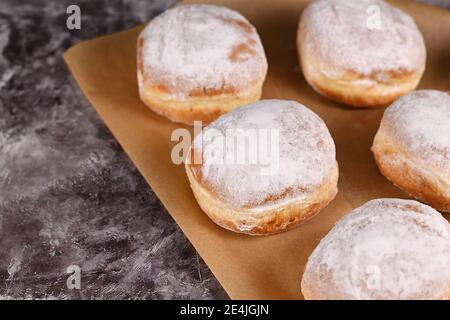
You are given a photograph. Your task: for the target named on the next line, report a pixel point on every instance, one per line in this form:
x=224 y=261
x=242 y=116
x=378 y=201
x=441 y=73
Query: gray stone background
x=68 y=194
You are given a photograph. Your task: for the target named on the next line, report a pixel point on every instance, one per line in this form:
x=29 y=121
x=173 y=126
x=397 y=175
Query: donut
x=362 y=53
x=412 y=146
x=286 y=174
x=196 y=62
x=387 y=249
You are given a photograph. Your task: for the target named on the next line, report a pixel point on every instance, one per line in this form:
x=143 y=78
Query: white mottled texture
x=306 y=154
x=386 y=249
x=193 y=47
x=419 y=123
x=340 y=33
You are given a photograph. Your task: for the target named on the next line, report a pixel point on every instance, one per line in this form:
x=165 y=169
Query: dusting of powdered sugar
x=386 y=249
x=193 y=48
x=340 y=32
x=305 y=158
x=419 y=122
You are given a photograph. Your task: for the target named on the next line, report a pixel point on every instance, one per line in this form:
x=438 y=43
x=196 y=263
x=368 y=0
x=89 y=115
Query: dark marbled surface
x=68 y=193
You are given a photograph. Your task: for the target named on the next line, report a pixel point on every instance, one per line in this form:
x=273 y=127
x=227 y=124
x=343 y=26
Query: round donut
x=286 y=174
x=196 y=62
x=412 y=146
x=388 y=249
x=362 y=53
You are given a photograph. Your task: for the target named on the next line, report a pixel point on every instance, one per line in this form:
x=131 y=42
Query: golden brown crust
x=420 y=181
x=374 y=97
x=205 y=184
x=267 y=219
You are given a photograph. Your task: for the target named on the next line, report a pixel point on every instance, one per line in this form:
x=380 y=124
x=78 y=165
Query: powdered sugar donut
x=361 y=53
x=287 y=171
x=386 y=249
x=412 y=146
x=196 y=62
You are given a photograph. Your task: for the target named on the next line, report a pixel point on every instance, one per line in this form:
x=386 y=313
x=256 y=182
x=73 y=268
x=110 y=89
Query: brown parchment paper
x=250 y=267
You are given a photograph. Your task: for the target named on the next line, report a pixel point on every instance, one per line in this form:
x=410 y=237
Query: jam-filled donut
x=386 y=249
x=412 y=146
x=288 y=174
x=196 y=62
x=363 y=53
